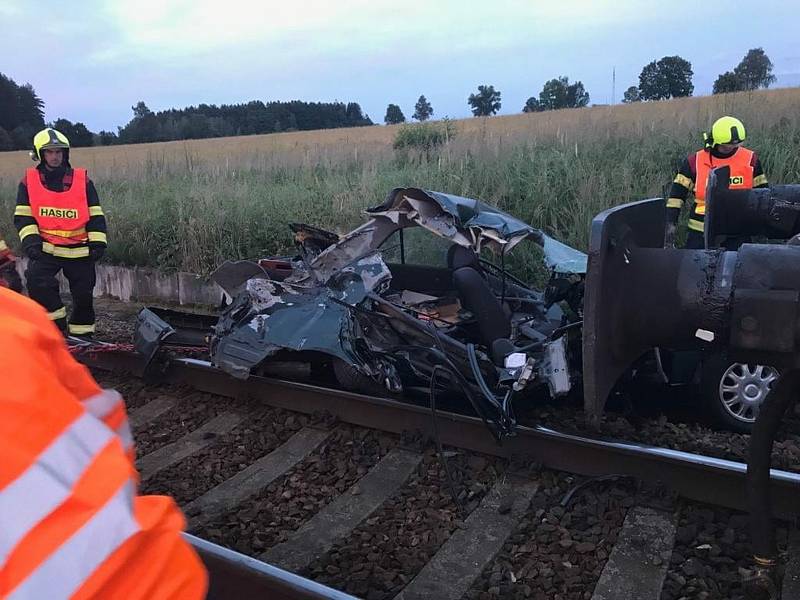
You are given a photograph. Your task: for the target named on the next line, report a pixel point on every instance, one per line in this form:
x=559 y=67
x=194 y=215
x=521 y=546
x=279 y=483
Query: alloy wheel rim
x=743 y=388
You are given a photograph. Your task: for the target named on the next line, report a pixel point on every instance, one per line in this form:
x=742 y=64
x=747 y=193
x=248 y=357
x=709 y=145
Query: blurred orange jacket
x=71 y=525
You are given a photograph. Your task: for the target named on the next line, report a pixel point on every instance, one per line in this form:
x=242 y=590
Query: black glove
x=10 y=278
x=669 y=235
x=96 y=251
x=34 y=251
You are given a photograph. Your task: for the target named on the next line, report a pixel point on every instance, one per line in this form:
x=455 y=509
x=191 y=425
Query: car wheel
x=352 y=380
x=734 y=392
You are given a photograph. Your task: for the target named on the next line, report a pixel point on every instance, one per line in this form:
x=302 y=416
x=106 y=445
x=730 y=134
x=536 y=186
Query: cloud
x=11 y=8
x=91 y=61
x=184 y=28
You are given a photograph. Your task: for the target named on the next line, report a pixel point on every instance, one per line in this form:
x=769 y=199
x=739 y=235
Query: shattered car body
x=467 y=326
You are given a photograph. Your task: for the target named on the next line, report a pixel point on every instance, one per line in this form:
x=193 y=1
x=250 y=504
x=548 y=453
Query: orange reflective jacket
x=61 y=216
x=71 y=525
x=741 y=164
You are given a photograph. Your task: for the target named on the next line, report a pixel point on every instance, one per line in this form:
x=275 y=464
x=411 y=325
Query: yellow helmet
x=726 y=130
x=48 y=139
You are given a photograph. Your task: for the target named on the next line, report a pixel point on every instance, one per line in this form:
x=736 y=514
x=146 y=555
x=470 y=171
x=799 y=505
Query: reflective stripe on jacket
x=71 y=525
x=60 y=216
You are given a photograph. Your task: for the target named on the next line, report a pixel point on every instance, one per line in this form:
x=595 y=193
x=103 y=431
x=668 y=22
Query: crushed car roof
x=472 y=223
x=464 y=221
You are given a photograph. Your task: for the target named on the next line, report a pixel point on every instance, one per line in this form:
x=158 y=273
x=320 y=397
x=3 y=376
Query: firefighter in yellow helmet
x=723 y=147
x=62 y=228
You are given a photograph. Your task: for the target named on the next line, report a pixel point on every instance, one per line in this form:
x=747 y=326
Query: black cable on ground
x=476 y=372
x=465 y=386
x=586 y=483
x=487 y=393
x=503 y=408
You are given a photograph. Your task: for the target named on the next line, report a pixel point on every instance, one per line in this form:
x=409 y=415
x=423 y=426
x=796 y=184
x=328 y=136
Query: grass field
x=190 y=205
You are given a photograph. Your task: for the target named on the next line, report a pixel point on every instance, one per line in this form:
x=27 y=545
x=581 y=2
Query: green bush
x=424 y=136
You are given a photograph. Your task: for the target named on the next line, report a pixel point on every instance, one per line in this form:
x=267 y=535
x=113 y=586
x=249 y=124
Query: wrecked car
x=421 y=298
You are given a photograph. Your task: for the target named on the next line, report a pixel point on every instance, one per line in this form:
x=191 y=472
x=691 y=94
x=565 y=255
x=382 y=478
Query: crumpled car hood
x=283 y=315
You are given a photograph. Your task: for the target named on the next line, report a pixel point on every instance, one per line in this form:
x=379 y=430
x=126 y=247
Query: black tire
x=352 y=380
x=731 y=392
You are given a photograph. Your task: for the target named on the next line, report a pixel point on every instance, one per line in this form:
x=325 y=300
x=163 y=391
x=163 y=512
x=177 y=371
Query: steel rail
x=234 y=575
x=693 y=476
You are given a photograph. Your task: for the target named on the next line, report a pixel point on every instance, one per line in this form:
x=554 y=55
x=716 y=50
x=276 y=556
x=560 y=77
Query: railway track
x=359 y=503
x=235 y=575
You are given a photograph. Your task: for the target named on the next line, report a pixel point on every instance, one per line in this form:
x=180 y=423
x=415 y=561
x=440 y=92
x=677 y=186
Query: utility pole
x=614 y=84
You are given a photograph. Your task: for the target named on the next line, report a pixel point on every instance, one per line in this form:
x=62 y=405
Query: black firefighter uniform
x=62 y=223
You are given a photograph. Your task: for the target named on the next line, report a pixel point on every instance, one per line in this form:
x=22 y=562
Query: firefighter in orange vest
x=8 y=268
x=71 y=524
x=62 y=228
x=723 y=147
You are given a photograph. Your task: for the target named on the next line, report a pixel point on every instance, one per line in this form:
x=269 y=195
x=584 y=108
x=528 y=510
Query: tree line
x=22 y=115
x=254 y=117
x=22 y=111
x=669 y=77
x=422 y=112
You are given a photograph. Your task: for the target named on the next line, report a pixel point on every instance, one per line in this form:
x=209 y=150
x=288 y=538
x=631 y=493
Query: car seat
x=477 y=297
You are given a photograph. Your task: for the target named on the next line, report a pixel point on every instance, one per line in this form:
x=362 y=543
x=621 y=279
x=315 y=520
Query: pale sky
x=91 y=61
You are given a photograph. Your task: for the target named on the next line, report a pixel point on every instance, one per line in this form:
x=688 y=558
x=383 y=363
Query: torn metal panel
x=374 y=273
x=289 y=317
x=466 y=221
x=355 y=245
x=312 y=240
x=554 y=368
x=232 y=276
x=151 y=331
x=264 y=294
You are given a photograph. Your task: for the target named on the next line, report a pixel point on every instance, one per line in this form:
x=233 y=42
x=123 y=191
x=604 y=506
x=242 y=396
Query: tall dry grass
x=189 y=205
